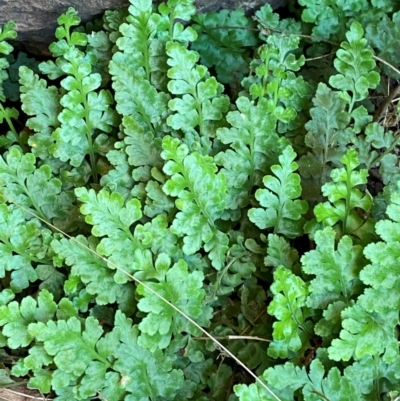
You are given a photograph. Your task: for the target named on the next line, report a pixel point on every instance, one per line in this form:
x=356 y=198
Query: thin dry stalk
x=23 y=395
x=235 y=338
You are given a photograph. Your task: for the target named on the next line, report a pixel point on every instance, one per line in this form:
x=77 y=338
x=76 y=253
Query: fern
x=86 y=113
x=377 y=146
x=292 y=331
x=282 y=210
x=91 y=272
x=250 y=151
x=223 y=46
x=7 y=113
x=235 y=209
x=327 y=136
x=288 y=379
x=32 y=187
x=336 y=283
x=274 y=77
x=193 y=179
x=380 y=275
x=336 y=271
x=105 y=212
x=344 y=198
x=202 y=101
x=183 y=290
x=42 y=103
x=355 y=64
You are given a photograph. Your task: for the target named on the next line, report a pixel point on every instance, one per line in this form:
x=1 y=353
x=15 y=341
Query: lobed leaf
x=227 y=50
x=182 y=289
x=344 y=197
x=78 y=352
x=313 y=384
x=253 y=143
x=382 y=274
x=327 y=137
x=280 y=253
x=201 y=194
x=355 y=64
x=366 y=333
x=275 y=80
x=376 y=146
x=135 y=67
x=16 y=318
x=34 y=188
x=291 y=330
x=336 y=271
x=43 y=104
x=24 y=245
x=92 y=271
x=240 y=265
x=202 y=101
x=330 y=19
x=86 y=113
x=283 y=210
x=144 y=374
x=106 y=212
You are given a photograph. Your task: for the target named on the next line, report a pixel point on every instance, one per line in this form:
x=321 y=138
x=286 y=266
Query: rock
x=37 y=20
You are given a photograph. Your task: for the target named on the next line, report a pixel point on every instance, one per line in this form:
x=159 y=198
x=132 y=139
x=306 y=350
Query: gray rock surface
x=37 y=19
